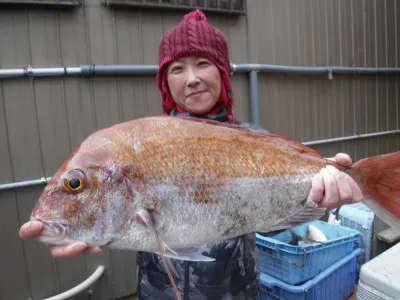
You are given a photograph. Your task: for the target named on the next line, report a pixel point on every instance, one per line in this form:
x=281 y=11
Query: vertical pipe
x=254 y=101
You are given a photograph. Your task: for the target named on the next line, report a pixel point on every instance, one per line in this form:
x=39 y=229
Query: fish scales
x=194 y=169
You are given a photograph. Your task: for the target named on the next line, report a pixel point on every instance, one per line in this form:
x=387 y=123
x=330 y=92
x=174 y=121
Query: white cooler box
x=360 y=217
x=380 y=277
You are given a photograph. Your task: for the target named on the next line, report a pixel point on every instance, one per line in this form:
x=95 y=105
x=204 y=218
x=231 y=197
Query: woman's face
x=195 y=84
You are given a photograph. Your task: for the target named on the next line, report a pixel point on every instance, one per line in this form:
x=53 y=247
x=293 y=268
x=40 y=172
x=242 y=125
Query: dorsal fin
x=297 y=146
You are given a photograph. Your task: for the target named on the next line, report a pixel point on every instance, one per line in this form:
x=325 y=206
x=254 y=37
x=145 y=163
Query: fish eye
x=74 y=181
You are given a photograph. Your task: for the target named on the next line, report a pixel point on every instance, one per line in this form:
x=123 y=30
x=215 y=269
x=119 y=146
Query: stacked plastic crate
x=315 y=271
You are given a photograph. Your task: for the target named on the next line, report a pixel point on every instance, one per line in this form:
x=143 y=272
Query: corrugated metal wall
x=42 y=120
x=359 y=33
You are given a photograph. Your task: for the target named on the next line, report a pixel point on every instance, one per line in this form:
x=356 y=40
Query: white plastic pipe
x=80 y=287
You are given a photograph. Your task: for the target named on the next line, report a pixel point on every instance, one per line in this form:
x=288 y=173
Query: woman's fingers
x=332 y=188
x=31 y=229
x=69 y=250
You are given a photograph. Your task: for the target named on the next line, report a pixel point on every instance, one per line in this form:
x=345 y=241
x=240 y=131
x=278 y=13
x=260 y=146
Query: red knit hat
x=194 y=36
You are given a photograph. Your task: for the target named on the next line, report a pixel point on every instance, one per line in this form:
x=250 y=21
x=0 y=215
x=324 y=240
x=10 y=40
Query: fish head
x=64 y=207
x=88 y=199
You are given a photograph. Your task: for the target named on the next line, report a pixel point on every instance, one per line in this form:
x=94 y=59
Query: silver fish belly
x=244 y=205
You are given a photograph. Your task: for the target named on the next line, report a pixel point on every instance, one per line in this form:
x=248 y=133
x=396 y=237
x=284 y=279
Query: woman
x=194 y=80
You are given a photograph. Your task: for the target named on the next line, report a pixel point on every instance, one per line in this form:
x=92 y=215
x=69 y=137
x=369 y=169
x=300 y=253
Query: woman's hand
x=32 y=229
x=332 y=188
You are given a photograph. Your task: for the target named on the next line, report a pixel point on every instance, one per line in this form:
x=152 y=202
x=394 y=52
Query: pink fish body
x=189 y=182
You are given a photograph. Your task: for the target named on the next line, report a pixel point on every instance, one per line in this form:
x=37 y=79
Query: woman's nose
x=192 y=78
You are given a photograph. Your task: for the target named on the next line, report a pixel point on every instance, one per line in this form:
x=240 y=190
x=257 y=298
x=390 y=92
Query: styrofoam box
x=380 y=277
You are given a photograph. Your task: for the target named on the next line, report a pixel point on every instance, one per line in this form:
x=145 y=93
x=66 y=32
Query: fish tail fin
x=380 y=178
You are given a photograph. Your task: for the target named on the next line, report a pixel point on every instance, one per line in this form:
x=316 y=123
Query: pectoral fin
x=189 y=254
x=146 y=218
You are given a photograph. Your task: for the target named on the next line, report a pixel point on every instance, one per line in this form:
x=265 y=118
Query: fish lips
x=53 y=232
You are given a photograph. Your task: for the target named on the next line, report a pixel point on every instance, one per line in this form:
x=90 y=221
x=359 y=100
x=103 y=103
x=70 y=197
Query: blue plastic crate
x=297 y=264
x=335 y=283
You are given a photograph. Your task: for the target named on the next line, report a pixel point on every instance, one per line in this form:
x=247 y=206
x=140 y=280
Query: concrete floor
x=353 y=297
x=133 y=297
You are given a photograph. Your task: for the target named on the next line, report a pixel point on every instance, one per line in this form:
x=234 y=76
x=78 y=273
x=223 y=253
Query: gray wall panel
x=14 y=279
x=358 y=33
x=397 y=32
x=152 y=105
x=237 y=40
x=52 y=123
x=107 y=105
x=103 y=288
x=43 y=37
x=23 y=135
x=128 y=37
x=132 y=97
x=5 y=162
x=241 y=97
x=320 y=32
x=124 y=279
x=370 y=33
x=73 y=37
x=391 y=32
x=100 y=34
x=71 y=272
x=40 y=266
x=14 y=40
x=80 y=110
x=261 y=43
x=151 y=27
x=12 y=259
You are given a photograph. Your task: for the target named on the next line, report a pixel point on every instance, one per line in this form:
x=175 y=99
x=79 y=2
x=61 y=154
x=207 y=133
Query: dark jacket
x=233 y=275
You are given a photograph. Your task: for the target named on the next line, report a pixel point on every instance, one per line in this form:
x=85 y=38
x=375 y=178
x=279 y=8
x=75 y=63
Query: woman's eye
x=176 y=68
x=203 y=63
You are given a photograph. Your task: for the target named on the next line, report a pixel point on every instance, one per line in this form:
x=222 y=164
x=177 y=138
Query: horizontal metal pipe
x=9 y=73
x=20 y=184
x=299 y=70
x=311 y=143
x=39 y=72
x=144 y=70
x=118 y=70
x=351 y=137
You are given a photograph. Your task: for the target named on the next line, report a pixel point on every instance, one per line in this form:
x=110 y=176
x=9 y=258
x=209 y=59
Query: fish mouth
x=53 y=232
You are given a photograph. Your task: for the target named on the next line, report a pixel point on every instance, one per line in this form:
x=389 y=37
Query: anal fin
x=307 y=214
